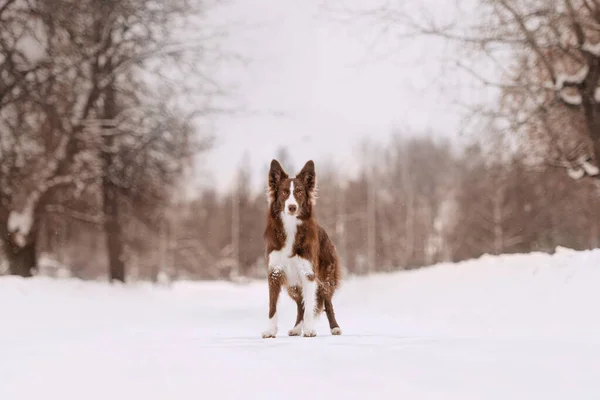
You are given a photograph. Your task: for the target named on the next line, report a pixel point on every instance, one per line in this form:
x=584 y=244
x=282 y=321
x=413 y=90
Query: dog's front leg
x=309 y=293
x=309 y=296
x=275 y=279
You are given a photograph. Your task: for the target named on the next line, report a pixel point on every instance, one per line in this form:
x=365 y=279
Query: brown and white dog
x=300 y=255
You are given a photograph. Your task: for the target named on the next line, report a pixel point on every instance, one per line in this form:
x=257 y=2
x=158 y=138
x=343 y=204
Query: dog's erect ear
x=309 y=177
x=276 y=175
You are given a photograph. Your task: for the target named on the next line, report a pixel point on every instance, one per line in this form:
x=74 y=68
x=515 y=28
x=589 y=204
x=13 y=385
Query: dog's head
x=293 y=196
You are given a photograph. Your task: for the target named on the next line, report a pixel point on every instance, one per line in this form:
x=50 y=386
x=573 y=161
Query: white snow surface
x=499 y=327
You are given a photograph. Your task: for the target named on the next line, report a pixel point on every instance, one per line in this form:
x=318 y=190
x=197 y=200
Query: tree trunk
x=112 y=231
x=110 y=195
x=21 y=260
x=591 y=115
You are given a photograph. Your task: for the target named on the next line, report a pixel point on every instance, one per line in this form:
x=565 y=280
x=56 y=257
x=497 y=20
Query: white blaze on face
x=291 y=200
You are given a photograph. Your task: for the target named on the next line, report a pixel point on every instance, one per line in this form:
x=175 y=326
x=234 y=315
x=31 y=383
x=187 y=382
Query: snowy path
x=518 y=327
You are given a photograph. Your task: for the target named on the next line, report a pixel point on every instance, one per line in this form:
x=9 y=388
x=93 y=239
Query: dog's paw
x=309 y=333
x=269 y=333
x=336 y=331
x=295 y=331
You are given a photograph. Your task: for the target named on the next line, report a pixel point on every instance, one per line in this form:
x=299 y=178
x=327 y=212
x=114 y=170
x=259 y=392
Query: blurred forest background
x=98 y=144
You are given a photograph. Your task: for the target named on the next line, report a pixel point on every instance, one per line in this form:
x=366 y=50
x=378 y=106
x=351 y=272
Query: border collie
x=300 y=255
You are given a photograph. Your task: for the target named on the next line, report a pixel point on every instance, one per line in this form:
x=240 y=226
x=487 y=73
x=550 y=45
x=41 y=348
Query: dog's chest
x=293 y=267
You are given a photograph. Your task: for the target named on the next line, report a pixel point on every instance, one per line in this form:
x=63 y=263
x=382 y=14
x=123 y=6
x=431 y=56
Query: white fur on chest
x=293 y=267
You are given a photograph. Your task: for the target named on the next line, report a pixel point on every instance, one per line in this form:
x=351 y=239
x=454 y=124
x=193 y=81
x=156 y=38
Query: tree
x=95 y=112
x=145 y=147
x=541 y=57
x=40 y=118
x=251 y=208
x=494 y=206
x=416 y=180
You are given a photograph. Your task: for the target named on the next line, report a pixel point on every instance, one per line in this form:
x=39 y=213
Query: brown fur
x=311 y=242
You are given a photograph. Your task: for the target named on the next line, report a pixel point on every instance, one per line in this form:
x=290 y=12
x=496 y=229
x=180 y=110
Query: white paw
x=309 y=333
x=336 y=331
x=269 y=333
x=295 y=331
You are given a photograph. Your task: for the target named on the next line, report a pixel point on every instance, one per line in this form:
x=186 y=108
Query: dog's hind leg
x=333 y=325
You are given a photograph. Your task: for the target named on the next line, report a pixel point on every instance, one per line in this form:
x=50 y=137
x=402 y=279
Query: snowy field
x=510 y=327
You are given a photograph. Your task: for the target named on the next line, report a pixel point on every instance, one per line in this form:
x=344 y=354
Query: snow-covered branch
x=20 y=222
x=582 y=167
x=577 y=78
x=597 y=94
x=593 y=49
x=573 y=99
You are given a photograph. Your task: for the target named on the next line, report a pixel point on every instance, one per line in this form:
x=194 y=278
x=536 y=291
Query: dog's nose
x=292 y=208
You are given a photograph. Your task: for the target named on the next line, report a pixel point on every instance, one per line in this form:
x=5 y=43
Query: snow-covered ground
x=510 y=327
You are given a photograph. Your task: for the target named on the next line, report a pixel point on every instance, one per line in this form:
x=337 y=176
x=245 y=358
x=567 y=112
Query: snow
x=573 y=99
x=520 y=326
x=597 y=95
x=589 y=168
x=575 y=78
x=575 y=173
x=592 y=48
x=584 y=166
x=19 y=223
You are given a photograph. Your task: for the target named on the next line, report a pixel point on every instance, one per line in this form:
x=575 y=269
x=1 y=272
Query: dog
x=299 y=254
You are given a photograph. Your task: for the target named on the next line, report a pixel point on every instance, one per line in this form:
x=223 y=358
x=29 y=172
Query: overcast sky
x=330 y=86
